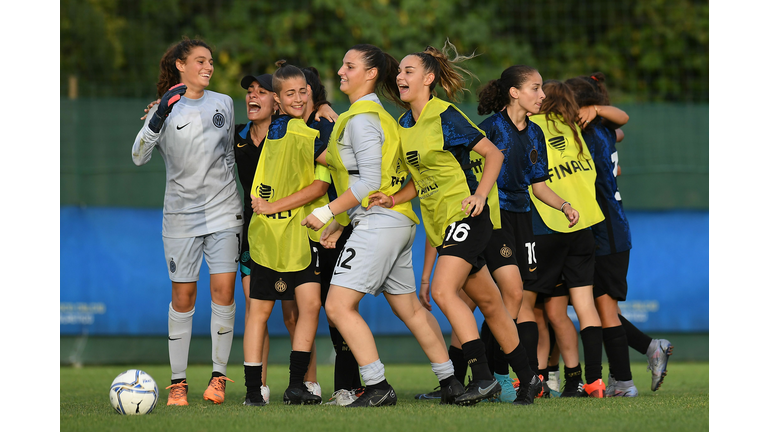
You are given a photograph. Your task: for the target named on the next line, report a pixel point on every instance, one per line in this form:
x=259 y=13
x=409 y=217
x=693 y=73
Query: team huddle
x=522 y=217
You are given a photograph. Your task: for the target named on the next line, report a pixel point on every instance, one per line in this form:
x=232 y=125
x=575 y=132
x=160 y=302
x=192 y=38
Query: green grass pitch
x=682 y=404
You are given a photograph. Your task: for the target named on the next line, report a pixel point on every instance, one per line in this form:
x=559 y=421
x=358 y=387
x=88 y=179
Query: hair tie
x=593 y=77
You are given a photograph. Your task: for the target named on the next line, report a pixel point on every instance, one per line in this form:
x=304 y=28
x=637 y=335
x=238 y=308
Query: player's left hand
x=379 y=199
x=587 y=114
x=571 y=214
x=473 y=205
x=325 y=111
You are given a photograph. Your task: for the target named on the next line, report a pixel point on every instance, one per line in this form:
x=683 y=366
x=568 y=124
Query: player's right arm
x=147 y=138
x=145 y=142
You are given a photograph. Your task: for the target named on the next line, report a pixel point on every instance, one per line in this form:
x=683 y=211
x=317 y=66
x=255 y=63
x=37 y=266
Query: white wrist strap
x=324 y=213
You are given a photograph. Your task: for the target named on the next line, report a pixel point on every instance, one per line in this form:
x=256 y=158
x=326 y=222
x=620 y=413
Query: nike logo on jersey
x=532 y=269
x=241 y=145
x=182 y=127
x=317 y=272
x=220 y=333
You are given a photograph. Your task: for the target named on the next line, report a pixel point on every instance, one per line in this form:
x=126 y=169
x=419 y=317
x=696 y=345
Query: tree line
x=651 y=50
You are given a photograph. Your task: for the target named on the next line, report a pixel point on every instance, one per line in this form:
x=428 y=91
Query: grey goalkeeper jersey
x=197 y=144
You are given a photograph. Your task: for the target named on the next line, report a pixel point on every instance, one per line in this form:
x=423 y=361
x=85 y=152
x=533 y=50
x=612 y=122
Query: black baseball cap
x=264 y=80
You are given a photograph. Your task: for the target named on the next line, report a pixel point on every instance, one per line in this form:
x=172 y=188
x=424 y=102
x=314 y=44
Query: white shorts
x=184 y=256
x=376 y=260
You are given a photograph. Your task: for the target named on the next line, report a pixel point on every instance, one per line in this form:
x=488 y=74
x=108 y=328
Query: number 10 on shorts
x=531 y=247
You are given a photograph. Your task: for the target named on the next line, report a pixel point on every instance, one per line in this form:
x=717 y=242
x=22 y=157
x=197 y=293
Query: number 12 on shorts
x=531 y=247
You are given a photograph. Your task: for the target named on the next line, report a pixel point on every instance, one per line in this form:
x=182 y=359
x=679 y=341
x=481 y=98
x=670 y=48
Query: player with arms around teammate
x=613 y=240
x=192 y=129
x=285 y=257
x=510 y=253
x=566 y=252
x=437 y=140
x=364 y=157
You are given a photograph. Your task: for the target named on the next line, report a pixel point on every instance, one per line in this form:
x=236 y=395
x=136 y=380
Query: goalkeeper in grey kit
x=192 y=129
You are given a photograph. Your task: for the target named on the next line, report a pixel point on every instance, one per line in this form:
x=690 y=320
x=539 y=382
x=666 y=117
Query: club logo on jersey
x=506 y=251
x=218 y=119
x=172 y=266
x=534 y=156
x=413 y=158
x=281 y=286
x=557 y=143
x=265 y=191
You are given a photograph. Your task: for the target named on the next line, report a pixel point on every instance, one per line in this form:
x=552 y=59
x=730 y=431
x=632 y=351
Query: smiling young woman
x=364 y=157
x=436 y=139
x=286 y=185
x=512 y=97
x=192 y=129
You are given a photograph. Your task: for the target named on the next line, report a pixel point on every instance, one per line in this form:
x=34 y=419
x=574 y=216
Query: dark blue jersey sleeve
x=325 y=128
x=457 y=131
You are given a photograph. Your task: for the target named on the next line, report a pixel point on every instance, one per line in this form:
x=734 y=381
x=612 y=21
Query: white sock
x=372 y=373
x=443 y=370
x=179 y=336
x=222 y=329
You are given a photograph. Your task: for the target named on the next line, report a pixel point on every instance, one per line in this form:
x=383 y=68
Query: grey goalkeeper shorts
x=377 y=260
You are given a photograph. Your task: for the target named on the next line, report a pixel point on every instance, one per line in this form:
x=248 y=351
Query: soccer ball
x=133 y=392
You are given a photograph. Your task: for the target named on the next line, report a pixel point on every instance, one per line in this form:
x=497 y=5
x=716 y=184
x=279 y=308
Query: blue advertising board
x=114 y=280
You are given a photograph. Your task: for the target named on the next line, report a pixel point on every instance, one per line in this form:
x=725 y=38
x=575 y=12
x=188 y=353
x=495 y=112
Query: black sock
x=636 y=339
x=253 y=379
x=592 y=343
x=518 y=360
x=617 y=351
x=544 y=373
x=529 y=339
x=493 y=351
x=573 y=375
x=474 y=353
x=383 y=385
x=299 y=364
x=552 y=338
x=554 y=368
x=487 y=337
x=459 y=363
x=500 y=365
x=346 y=374
x=177 y=380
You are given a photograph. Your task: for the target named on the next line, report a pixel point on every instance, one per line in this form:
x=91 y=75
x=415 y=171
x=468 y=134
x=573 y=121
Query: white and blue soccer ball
x=133 y=392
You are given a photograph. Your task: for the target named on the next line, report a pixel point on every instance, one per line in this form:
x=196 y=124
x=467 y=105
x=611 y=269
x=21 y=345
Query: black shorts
x=245 y=255
x=268 y=284
x=563 y=256
x=560 y=290
x=611 y=275
x=328 y=258
x=513 y=245
x=468 y=238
